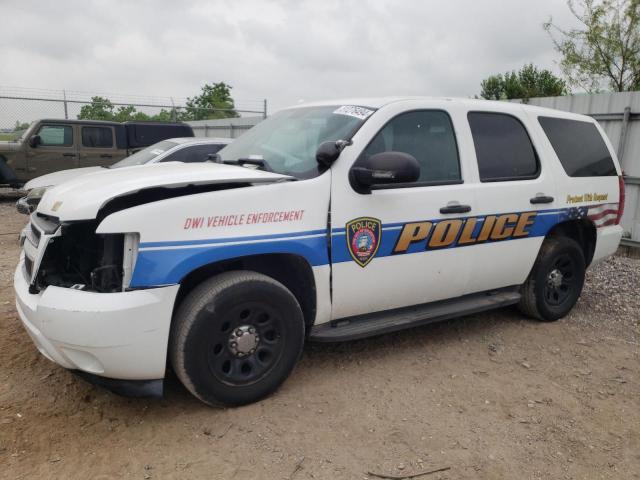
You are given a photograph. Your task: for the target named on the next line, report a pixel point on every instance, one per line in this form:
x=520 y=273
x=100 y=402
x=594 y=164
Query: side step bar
x=362 y=326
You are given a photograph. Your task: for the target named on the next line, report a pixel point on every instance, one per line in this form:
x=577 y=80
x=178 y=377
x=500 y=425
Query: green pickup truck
x=51 y=145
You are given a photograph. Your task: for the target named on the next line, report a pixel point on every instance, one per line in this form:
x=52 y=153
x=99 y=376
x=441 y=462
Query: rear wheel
x=556 y=280
x=236 y=338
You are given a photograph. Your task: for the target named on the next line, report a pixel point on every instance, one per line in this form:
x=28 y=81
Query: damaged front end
x=72 y=255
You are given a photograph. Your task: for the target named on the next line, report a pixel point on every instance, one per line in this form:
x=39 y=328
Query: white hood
x=82 y=197
x=56 y=178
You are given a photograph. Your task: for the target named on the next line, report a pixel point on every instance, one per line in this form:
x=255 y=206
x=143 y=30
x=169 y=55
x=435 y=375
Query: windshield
x=288 y=140
x=146 y=155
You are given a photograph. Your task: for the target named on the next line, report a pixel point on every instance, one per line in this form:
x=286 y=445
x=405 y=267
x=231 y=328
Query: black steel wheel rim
x=561 y=280
x=238 y=368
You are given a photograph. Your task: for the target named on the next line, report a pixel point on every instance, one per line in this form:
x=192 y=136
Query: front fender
x=169 y=264
x=181 y=234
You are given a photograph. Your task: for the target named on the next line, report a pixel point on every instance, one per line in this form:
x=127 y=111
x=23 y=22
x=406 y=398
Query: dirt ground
x=492 y=396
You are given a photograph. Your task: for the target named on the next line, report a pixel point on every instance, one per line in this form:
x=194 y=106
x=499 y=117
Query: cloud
x=282 y=50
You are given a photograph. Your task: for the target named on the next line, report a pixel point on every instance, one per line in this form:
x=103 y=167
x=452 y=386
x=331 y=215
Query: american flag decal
x=600 y=215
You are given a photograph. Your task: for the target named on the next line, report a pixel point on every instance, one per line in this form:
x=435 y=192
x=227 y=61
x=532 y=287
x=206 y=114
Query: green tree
x=21 y=126
x=528 y=82
x=165 y=116
x=214 y=101
x=126 y=113
x=100 y=108
x=604 y=51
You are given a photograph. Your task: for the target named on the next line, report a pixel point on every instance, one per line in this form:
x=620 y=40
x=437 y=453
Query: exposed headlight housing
x=129 y=257
x=28 y=204
x=37 y=193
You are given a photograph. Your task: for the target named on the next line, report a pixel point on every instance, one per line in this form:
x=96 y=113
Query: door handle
x=30 y=169
x=106 y=155
x=541 y=199
x=455 y=209
x=68 y=154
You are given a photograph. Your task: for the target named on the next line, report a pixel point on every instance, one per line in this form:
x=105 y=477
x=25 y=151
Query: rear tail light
x=622 y=195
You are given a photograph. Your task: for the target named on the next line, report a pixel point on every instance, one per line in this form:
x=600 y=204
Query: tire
x=236 y=337
x=556 y=280
x=6 y=174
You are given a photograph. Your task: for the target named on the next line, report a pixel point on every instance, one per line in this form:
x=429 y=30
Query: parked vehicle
x=187 y=149
x=53 y=144
x=329 y=221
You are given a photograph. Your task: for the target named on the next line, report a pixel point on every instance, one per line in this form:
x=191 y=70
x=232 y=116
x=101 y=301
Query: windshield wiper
x=256 y=160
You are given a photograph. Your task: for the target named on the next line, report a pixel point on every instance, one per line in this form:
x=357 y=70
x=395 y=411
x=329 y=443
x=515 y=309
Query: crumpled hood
x=82 y=197
x=9 y=146
x=56 y=178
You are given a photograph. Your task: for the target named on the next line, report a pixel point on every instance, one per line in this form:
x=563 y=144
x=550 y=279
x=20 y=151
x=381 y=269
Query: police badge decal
x=363 y=239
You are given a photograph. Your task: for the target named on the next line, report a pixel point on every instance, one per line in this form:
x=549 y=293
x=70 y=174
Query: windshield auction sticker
x=354 y=111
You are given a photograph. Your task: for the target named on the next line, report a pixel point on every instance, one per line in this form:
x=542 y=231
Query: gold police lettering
x=446 y=232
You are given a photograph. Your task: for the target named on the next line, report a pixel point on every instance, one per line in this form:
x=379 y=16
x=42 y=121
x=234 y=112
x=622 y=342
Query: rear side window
x=428 y=136
x=97 y=137
x=503 y=147
x=579 y=147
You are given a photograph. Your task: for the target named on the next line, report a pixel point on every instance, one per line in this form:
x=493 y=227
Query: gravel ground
x=612 y=296
x=489 y=396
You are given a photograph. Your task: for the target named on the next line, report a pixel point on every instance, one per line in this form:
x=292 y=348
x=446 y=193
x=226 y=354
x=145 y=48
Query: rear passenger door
x=97 y=146
x=516 y=198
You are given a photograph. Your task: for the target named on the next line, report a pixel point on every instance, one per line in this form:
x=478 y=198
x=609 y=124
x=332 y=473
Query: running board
x=362 y=326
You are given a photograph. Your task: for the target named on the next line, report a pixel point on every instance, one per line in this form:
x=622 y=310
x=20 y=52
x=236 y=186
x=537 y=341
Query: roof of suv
x=75 y=121
x=480 y=104
x=109 y=122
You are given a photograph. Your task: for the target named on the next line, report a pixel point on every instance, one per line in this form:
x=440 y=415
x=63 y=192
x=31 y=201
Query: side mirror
x=328 y=152
x=214 y=157
x=35 y=141
x=385 y=168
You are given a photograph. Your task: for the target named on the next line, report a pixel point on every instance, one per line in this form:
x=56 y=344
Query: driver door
x=391 y=248
x=57 y=150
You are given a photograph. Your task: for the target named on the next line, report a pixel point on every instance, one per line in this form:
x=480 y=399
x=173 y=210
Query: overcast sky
x=284 y=51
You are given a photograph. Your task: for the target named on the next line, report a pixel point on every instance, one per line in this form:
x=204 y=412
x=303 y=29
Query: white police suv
x=329 y=221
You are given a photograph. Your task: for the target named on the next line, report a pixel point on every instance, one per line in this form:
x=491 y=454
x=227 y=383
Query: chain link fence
x=20 y=106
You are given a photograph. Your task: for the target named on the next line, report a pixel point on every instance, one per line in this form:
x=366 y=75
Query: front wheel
x=556 y=280
x=236 y=337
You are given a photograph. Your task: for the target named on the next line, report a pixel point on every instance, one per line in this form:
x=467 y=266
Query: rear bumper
x=120 y=336
x=607 y=242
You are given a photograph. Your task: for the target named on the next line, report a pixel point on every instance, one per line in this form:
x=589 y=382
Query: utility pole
x=64 y=100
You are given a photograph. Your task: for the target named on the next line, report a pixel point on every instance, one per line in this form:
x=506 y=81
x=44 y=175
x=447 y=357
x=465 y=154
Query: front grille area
x=45 y=223
x=36 y=232
x=36 y=242
x=33 y=235
x=28 y=266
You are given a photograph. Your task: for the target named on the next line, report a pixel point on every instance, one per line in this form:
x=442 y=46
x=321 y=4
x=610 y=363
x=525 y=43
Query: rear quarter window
x=579 y=147
x=97 y=137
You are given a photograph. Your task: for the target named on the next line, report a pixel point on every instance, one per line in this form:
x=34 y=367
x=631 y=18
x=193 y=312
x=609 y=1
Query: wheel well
x=582 y=231
x=293 y=271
